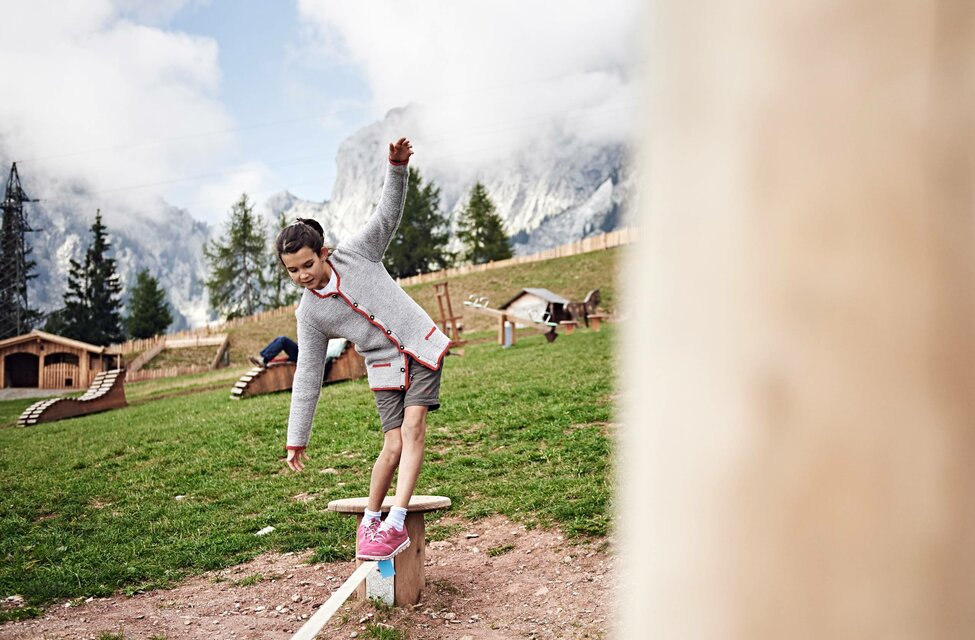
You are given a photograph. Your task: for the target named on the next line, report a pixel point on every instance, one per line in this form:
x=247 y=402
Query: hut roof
x=544 y=294
x=50 y=337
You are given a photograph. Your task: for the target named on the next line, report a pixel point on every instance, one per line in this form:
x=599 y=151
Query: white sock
x=371 y=515
x=396 y=518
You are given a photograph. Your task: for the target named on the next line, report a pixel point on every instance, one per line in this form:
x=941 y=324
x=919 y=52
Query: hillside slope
x=572 y=277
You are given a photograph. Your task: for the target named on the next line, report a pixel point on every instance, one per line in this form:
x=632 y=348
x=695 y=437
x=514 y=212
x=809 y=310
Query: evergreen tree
x=420 y=243
x=482 y=230
x=281 y=290
x=237 y=281
x=149 y=313
x=92 y=303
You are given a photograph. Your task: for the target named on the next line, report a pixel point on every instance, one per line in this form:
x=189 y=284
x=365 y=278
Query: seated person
x=276 y=346
x=334 y=349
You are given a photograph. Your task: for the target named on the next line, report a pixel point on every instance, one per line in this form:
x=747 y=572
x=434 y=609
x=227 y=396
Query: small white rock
x=264 y=531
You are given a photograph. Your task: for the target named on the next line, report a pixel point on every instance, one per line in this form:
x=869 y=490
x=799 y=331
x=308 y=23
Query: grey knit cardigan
x=369 y=309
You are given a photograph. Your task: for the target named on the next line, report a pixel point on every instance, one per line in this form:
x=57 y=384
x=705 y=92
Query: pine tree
x=281 y=291
x=237 y=281
x=92 y=303
x=420 y=243
x=482 y=230
x=149 y=314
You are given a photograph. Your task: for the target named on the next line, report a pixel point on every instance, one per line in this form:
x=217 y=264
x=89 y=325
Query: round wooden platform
x=418 y=504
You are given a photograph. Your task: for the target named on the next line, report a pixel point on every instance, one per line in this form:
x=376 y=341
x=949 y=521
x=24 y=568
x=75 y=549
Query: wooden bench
x=408 y=582
x=107 y=391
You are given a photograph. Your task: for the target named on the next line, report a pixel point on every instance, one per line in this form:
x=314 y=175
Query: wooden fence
x=601 y=242
x=167 y=372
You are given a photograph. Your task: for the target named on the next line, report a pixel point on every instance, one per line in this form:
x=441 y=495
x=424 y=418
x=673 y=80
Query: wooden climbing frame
x=107 y=391
x=448 y=321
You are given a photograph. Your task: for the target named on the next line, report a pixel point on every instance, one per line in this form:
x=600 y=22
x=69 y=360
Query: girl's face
x=307 y=269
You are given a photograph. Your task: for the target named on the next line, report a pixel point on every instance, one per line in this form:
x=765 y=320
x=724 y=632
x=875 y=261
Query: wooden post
x=803 y=367
x=409 y=579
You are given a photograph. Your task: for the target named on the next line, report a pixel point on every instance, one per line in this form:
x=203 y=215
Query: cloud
x=121 y=108
x=491 y=77
x=220 y=195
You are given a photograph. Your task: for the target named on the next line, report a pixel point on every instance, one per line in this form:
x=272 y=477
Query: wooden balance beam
x=407 y=585
x=107 y=391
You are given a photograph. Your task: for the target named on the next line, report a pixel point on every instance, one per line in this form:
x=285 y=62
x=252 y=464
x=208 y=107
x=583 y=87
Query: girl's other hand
x=401 y=150
x=296 y=459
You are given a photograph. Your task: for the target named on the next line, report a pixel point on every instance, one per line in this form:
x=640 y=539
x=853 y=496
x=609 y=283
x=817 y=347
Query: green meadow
x=180 y=481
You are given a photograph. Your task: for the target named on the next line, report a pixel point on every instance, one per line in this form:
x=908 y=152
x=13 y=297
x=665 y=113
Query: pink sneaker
x=367 y=529
x=383 y=544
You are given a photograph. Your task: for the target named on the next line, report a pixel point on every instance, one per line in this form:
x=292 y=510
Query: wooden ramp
x=342 y=363
x=107 y=391
x=277 y=376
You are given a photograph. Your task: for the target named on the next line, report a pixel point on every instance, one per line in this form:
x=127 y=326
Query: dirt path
x=494 y=580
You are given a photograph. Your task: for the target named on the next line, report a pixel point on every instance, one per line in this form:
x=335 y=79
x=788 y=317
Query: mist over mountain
x=555 y=187
x=156 y=236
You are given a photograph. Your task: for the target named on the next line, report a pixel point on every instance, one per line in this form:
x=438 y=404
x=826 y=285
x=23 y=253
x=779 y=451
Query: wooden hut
x=43 y=360
x=540 y=305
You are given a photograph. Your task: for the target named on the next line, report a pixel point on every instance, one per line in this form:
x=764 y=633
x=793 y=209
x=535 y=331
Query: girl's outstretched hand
x=296 y=459
x=401 y=150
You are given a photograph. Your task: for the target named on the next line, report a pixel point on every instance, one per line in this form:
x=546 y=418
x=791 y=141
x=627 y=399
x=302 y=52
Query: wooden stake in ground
x=800 y=440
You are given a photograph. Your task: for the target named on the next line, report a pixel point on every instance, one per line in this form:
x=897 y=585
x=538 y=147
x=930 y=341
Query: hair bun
x=314 y=225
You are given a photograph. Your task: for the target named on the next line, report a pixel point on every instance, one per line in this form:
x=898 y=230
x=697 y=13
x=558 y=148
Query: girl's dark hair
x=303 y=232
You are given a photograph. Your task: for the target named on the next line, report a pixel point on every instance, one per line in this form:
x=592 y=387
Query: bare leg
x=413 y=435
x=382 y=470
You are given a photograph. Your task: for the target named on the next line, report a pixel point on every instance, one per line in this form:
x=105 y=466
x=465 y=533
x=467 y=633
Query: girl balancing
x=348 y=294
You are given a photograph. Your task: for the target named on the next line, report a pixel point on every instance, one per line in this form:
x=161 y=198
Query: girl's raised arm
x=372 y=240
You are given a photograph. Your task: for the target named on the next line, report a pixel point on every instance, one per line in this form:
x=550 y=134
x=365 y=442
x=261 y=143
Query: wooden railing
x=586 y=245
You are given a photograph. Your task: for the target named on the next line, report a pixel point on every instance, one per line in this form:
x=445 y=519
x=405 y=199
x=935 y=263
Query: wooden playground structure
x=450 y=324
x=397 y=582
x=546 y=322
x=107 y=391
x=344 y=363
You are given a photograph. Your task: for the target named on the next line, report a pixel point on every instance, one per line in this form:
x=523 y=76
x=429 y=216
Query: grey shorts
x=424 y=391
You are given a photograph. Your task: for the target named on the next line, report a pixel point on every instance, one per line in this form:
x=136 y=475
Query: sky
x=193 y=102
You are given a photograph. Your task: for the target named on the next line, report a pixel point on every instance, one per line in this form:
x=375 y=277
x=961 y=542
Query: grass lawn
x=179 y=482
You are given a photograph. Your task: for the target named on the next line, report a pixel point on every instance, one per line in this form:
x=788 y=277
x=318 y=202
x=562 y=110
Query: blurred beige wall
x=798 y=458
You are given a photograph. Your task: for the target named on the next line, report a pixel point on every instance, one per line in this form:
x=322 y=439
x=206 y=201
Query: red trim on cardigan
x=295 y=447
x=398 y=164
x=430 y=333
x=386 y=364
x=404 y=352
